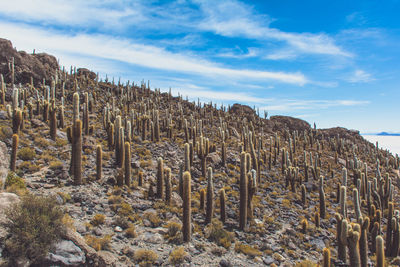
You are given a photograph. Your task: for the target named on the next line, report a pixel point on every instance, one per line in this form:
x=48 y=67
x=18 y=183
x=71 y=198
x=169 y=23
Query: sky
x=335 y=63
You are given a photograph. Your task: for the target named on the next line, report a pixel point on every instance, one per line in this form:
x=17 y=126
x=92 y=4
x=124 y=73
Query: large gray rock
x=4 y=162
x=67 y=253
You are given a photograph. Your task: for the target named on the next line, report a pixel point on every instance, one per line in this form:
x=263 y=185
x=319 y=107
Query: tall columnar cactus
x=396 y=238
x=168 y=186
x=187 y=211
x=353 y=237
x=60 y=117
x=222 y=204
x=202 y=199
x=86 y=113
x=210 y=196
x=14 y=148
x=341 y=242
x=187 y=157
x=389 y=229
x=160 y=178
x=75 y=107
x=77 y=151
x=243 y=192
x=364 y=223
x=99 y=162
x=157 y=127
x=53 y=123
x=327 y=257
x=223 y=152
x=322 y=204
x=356 y=201
x=303 y=195
x=127 y=150
x=140 y=178
x=16 y=120
x=343 y=209
x=3 y=90
x=380 y=253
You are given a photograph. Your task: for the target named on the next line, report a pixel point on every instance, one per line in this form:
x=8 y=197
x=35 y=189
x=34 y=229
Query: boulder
x=86 y=73
x=282 y=122
x=66 y=253
x=38 y=66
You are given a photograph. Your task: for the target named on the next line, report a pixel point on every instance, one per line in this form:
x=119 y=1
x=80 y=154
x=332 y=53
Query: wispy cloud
x=360 y=76
x=235 y=19
x=125 y=50
x=286 y=105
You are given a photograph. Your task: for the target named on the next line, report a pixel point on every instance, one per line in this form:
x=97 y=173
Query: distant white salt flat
x=386 y=142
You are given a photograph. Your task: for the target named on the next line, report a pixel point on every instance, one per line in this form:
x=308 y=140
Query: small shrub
x=215 y=232
x=26 y=153
x=121 y=222
x=34 y=224
x=174 y=234
x=131 y=231
x=145 y=257
x=68 y=221
x=125 y=209
x=98 y=243
x=153 y=218
x=14 y=183
x=65 y=196
x=98 y=219
x=61 y=142
x=247 y=250
x=306 y=263
x=56 y=165
x=177 y=256
x=42 y=142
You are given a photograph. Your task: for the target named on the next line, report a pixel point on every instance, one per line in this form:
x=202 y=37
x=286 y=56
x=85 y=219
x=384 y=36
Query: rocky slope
x=110 y=224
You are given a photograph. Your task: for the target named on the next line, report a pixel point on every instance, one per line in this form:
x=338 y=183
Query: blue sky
x=336 y=63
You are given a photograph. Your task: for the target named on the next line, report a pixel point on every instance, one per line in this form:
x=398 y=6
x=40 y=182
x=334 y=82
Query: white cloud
x=286 y=105
x=235 y=19
x=360 y=76
x=98 y=13
x=124 y=50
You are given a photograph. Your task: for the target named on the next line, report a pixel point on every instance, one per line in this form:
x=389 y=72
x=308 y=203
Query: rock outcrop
x=38 y=66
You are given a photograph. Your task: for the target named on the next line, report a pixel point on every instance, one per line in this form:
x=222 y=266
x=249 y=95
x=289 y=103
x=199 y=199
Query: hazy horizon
x=332 y=63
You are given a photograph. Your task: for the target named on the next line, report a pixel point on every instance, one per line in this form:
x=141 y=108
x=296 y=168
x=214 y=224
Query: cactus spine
x=160 y=178
x=202 y=199
x=210 y=196
x=13 y=160
x=99 y=164
x=187 y=212
x=243 y=192
x=127 y=150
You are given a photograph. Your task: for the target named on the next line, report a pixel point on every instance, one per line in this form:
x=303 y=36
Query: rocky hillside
x=146 y=178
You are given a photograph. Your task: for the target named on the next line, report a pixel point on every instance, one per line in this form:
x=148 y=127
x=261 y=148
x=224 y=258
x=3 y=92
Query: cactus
x=356 y=202
x=396 y=238
x=303 y=195
x=53 y=123
x=77 y=151
x=304 y=225
x=353 y=237
x=17 y=121
x=140 y=178
x=157 y=127
x=322 y=205
x=202 y=199
x=168 y=186
x=210 y=197
x=99 y=164
x=343 y=209
x=243 y=192
x=223 y=152
x=222 y=205
x=3 y=90
x=187 y=159
x=127 y=150
x=75 y=107
x=389 y=229
x=187 y=211
x=327 y=257
x=380 y=253
x=317 y=219
x=160 y=178
x=364 y=223
x=341 y=242
x=60 y=118
x=14 y=148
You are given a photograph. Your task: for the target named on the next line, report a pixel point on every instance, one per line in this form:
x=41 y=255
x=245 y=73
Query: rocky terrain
x=145 y=178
